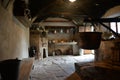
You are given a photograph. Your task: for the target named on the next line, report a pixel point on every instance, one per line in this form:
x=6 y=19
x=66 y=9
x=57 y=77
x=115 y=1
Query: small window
x=118 y=27
x=113 y=26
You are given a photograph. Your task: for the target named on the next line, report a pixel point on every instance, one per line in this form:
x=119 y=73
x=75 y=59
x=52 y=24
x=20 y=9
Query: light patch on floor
x=57 y=67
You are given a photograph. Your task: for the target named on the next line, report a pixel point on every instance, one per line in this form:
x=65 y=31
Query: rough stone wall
x=64 y=49
x=106 y=51
x=14 y=36
x=35 y=40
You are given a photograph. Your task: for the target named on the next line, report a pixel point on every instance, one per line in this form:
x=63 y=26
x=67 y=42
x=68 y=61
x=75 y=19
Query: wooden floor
x=58 y=67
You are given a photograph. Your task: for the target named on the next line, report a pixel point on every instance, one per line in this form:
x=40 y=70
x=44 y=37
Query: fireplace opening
x=44 y=53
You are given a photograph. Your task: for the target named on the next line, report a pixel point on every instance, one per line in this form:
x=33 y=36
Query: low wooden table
x=98 y=71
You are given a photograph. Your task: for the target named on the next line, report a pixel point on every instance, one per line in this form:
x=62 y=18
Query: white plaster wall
x=14 y=37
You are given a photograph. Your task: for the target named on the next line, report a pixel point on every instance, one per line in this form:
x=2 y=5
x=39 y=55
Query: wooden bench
x=25 y=68
x=14 y=69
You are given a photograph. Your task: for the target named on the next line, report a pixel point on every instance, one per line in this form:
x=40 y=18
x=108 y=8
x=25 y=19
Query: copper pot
x=89 y=40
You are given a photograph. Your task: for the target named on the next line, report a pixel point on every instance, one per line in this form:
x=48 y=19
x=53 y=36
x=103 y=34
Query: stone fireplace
x=44 y=48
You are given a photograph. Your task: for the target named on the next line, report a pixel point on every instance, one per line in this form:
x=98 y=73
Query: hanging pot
x=89 y=40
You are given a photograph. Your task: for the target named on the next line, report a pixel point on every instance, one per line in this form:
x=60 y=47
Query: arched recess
x=113 y=12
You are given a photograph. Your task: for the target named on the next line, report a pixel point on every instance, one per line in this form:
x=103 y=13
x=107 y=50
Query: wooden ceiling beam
x=103 y=20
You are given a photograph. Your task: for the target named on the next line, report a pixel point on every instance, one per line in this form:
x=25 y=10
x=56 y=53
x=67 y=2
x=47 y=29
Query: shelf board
x=66 y=43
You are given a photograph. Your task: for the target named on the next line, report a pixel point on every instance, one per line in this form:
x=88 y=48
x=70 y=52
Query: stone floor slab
x=57 y=67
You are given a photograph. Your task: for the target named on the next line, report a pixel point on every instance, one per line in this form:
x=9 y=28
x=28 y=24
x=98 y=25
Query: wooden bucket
x=89 y=40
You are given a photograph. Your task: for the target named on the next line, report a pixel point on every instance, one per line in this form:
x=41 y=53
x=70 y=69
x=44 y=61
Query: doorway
x=86 y=51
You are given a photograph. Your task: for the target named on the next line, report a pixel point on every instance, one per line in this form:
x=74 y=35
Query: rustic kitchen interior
x=35 y=30
x=58 y=39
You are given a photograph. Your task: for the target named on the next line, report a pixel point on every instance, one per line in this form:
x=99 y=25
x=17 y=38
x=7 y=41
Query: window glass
x=118 y=25
x=113 y=26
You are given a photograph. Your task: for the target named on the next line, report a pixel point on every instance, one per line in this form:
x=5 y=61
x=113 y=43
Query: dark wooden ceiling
x=41 y=9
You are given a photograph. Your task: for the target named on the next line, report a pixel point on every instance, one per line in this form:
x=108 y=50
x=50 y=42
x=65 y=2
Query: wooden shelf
x=66 y=43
